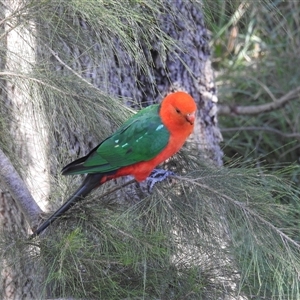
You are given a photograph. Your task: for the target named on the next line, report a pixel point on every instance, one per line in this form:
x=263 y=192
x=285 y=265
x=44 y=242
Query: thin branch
x=258 y=109
x=243 y=207
x=114 y=189
x=69 y=68
x=262 y=128
x=26 y=76
x=18 y=190
x=129 y=235
x=77 y=74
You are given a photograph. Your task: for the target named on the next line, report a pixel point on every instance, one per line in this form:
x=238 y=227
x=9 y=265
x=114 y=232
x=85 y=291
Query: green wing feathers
x=140 y=138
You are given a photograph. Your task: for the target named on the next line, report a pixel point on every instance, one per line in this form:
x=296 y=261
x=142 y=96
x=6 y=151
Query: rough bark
x=188 y=69
x=13 y=182
x=19 y=273
x=23 y=138
x=187 y=66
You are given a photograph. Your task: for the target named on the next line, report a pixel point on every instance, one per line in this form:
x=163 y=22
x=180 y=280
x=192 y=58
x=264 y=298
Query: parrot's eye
x=178 y=111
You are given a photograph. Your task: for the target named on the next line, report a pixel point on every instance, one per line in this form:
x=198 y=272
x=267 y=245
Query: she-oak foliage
x=214 y=233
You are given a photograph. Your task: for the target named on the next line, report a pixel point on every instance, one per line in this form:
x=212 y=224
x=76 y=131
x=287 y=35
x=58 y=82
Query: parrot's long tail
x=90 y=182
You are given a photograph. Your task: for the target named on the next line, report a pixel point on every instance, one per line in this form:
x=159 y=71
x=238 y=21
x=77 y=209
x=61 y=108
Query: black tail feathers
x=90 y=182
x=76 y=166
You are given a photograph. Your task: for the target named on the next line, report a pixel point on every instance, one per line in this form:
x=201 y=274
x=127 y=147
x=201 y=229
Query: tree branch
x=285 y=238
x=258 y=109
x=263 y=128
x=17 y=188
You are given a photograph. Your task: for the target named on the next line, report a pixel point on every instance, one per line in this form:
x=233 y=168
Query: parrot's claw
x=157 y=175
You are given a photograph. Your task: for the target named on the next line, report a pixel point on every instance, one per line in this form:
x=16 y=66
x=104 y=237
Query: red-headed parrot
x=145 y=140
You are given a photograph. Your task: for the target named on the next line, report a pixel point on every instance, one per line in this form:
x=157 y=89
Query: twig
x=77 y=74
x=128 y=235
x=26 y=76
x=18 y=190
x=69 y=68
x=118 y=187
x=262 y=128
x=258 y=109
x=243 y=207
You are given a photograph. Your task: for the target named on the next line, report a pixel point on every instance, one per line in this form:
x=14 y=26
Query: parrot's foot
x=157 y=175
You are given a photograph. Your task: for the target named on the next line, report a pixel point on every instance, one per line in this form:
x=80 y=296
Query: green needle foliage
x=211 y=234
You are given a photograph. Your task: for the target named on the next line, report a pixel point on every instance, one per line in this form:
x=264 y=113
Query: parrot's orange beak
x=191 y=118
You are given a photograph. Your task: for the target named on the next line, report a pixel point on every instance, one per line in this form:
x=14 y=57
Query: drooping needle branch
x=243 y=207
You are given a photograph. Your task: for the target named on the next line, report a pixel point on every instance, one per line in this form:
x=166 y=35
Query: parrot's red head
x=178 y=113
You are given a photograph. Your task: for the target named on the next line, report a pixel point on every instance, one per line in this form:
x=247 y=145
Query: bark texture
x=34 y=137
x=188 y=68
x=184 y=66
x=19 y=273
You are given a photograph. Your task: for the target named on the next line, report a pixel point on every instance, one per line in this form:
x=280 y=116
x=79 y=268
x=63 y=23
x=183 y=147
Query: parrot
x=145 y=140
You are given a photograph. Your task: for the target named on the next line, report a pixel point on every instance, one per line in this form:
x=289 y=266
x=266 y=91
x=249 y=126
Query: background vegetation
x=255 y=48
x=214 y=233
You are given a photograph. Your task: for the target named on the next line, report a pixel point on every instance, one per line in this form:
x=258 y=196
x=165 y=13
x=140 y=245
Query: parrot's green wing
x=140 y=138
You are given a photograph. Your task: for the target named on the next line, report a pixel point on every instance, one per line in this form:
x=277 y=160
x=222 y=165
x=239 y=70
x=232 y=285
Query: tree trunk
x=23 y=137
x=39 y=133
